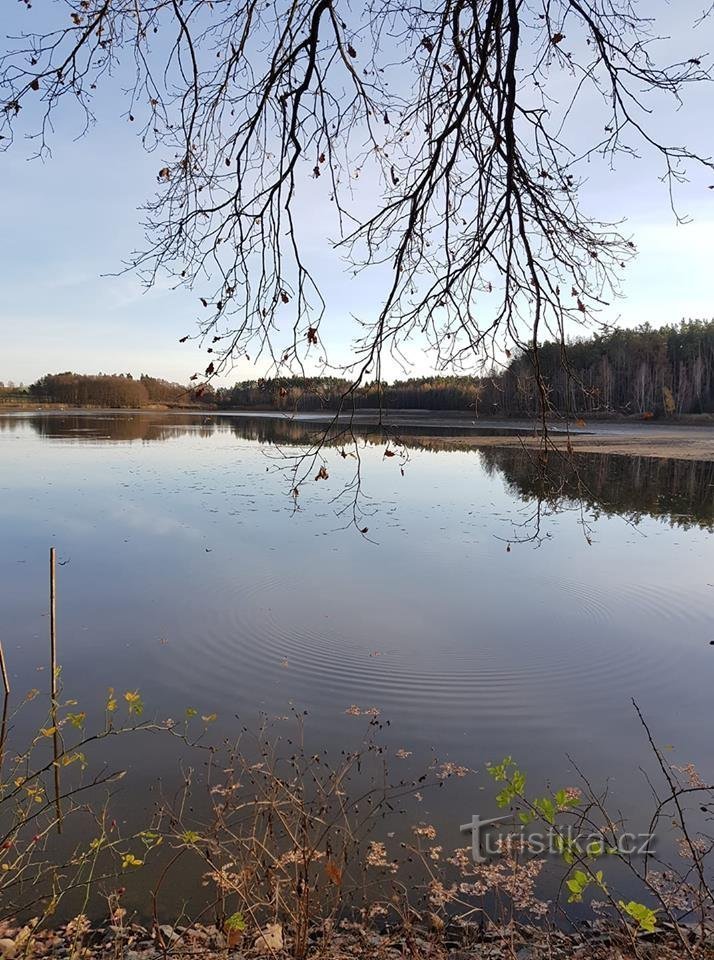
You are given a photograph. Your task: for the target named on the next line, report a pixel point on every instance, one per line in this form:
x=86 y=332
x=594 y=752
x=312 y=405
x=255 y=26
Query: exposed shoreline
x=689 y=439
x=668 y=446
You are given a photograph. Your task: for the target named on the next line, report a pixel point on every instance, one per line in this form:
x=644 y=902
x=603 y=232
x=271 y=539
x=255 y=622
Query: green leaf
x=546 y=809
x=129 y=860
x=134 y=701
x=499 y=771
x=646 y=918
x=235 y=922
x=577 y=884
x=77 y=719
x=150 y=838
x=567 y=848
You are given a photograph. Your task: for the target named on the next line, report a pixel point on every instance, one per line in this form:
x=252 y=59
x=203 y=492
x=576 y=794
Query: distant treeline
x=316 y=393
x=108 y=390
x=641 y=371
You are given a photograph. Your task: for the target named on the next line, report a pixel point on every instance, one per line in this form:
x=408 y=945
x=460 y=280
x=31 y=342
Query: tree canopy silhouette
x=451 y=138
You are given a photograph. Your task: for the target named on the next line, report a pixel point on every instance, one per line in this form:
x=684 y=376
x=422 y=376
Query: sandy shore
x=677 y=441
x=673 y=445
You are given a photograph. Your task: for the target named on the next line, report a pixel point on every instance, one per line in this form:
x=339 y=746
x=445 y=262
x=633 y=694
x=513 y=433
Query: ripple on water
x=561 y=639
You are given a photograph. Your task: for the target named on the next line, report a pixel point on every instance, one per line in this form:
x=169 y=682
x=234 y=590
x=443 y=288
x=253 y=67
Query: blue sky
x=69 y=220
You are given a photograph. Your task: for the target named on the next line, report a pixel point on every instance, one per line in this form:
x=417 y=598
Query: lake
x=484 y=613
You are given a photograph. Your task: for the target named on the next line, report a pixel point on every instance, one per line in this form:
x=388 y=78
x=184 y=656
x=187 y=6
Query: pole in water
x=53 y=688
x=53 y=625
x=3 y=670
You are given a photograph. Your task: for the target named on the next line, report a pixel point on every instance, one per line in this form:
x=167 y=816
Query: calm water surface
x=187 y=574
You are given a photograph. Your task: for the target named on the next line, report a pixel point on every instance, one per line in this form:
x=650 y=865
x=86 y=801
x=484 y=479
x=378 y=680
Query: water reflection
x=267 y=427
x=679 y=491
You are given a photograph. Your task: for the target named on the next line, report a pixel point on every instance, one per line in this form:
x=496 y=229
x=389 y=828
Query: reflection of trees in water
x=123 y=428
x=161 y=427
x=273 y=430
x=681 y=491
x=10 y=424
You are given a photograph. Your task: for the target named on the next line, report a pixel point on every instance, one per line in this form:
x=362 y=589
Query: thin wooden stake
x=53 y=688
x=3 y=732
x=3 y=668
x=53 y=626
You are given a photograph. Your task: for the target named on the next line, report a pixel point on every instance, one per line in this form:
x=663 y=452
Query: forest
x=642 y=370
x=638 y=371
x=109 y=390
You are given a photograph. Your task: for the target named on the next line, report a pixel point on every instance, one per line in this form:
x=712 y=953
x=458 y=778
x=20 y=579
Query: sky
x=69 y=222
